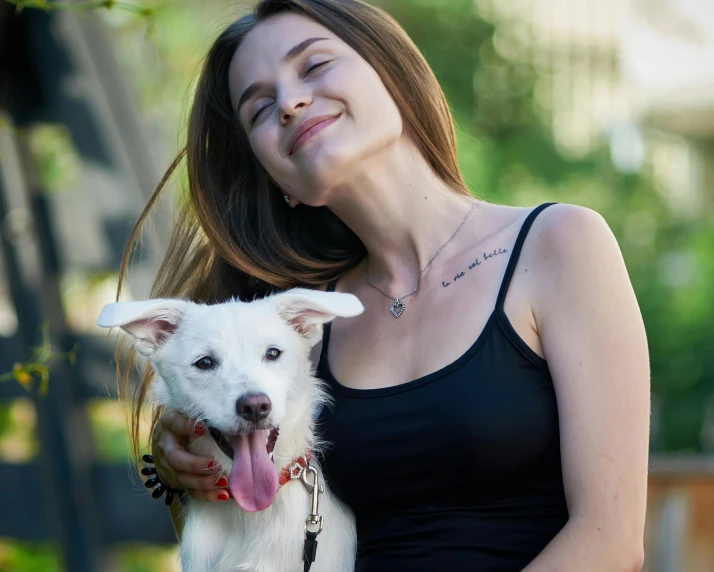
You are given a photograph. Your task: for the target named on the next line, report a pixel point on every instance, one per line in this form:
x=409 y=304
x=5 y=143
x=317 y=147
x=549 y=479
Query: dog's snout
x=254 y=407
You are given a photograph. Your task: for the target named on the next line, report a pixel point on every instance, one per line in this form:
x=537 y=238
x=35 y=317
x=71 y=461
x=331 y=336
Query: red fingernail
x=211 y=465
x=223 y=496
x=199 y=430
x=222 y=482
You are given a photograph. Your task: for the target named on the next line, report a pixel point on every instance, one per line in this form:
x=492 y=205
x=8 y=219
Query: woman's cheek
x=357 y=89
x=266 y=148
x=341 y=84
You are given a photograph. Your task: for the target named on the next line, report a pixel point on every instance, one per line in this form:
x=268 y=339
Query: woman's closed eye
x=257 y=113
x=309 y=70
x=317 y=65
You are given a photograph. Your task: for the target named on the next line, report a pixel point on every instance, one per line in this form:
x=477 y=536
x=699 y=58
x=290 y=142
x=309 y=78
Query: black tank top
x=456 y=470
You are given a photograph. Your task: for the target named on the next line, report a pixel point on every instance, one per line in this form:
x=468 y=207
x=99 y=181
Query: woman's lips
x=312 y=131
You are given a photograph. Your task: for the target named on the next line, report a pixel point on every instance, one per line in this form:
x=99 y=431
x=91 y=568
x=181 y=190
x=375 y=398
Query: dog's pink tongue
x=253 y=480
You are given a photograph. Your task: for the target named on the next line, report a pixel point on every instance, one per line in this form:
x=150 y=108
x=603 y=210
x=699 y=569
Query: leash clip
x=313 y=489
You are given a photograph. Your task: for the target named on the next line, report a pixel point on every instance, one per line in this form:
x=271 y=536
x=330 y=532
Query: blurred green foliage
x=28 y=557
x=36 y=371
x=44 y=557
x=58 y=164
x=135 y=558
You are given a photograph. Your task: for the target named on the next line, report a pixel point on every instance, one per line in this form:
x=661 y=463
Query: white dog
x=244 y=370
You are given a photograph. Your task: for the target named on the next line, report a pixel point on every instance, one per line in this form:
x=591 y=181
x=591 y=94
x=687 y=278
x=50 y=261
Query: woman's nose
x=293 y=104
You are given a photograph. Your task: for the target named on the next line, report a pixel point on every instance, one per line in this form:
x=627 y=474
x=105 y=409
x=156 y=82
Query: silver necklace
x=398 y=306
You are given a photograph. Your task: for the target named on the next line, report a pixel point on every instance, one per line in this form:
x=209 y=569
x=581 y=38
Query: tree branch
x=80 y=6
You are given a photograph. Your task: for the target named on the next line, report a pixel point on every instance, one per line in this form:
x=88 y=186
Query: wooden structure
x=680 y=515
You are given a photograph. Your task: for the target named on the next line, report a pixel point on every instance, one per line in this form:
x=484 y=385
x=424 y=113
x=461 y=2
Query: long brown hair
x=235 y=237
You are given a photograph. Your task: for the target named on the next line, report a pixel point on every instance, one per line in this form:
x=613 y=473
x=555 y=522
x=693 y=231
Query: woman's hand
x=199 y=476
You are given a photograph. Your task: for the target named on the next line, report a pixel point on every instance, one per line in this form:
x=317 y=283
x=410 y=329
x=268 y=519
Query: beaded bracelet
x=160 y=487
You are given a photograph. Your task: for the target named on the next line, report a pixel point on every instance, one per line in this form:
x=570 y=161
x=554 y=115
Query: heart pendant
x=397 y=308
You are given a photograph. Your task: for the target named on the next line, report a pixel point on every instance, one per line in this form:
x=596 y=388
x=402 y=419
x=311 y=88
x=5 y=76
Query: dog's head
x=242 y=367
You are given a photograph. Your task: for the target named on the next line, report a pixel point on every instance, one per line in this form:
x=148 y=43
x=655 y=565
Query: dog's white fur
x=173 y=335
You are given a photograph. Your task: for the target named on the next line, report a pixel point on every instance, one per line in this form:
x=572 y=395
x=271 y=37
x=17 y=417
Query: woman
x=491 y=404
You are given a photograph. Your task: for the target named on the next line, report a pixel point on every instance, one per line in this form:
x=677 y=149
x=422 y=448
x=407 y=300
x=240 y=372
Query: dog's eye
x=204 y=363
x=273 y=353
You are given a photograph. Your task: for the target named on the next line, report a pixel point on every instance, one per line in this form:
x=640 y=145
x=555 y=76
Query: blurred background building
x=639 y=73
x=608 y=104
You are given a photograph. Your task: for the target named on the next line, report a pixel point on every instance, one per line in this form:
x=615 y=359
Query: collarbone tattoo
x=480 y=260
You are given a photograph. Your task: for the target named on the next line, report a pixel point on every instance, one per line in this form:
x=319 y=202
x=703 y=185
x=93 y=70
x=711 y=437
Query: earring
x=287 y=198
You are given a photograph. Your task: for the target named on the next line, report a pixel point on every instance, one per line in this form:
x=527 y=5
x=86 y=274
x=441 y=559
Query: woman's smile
x=314 y=130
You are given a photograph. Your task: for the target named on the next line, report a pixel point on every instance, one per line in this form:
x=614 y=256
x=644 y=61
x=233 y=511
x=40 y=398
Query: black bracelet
x=160 y=487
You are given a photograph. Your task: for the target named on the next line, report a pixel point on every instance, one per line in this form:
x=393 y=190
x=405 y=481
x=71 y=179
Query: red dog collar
x=294 y=469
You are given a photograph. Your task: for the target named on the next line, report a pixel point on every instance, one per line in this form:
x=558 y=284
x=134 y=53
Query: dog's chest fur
x=219 y=538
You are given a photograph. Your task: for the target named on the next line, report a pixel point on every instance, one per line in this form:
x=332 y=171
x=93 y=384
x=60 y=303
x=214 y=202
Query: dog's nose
x=254 y=407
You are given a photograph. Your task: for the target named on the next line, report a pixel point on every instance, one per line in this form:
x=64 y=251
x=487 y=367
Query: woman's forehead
x=272 y=39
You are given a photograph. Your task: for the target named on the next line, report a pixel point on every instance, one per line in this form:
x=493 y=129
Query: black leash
x=310 y=549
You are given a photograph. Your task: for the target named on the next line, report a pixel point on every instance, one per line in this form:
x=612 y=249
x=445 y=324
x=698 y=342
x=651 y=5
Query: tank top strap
x=326 y=330
x=515 y=253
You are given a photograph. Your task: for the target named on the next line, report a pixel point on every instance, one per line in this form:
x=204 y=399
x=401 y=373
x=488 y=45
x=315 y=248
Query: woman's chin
x=323 y=165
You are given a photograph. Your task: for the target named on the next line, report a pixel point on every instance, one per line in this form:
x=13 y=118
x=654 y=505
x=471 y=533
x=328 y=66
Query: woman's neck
x=402 y=212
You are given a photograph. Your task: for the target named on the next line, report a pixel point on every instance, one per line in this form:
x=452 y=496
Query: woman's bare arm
x=594 y=340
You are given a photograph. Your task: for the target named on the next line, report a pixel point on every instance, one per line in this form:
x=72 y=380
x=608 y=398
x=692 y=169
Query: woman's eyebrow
x=297 y=49
x=290 y=55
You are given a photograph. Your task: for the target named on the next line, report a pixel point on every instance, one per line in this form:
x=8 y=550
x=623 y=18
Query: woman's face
x=324 y=79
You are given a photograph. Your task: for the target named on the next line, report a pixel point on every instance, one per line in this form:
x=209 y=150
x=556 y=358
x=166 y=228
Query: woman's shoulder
x=562 y=229
x=553 y=229
x=567 y=244
x=554 y=217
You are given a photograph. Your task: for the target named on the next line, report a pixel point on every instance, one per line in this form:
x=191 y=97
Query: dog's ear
x=306 y=309
x=150 y=322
